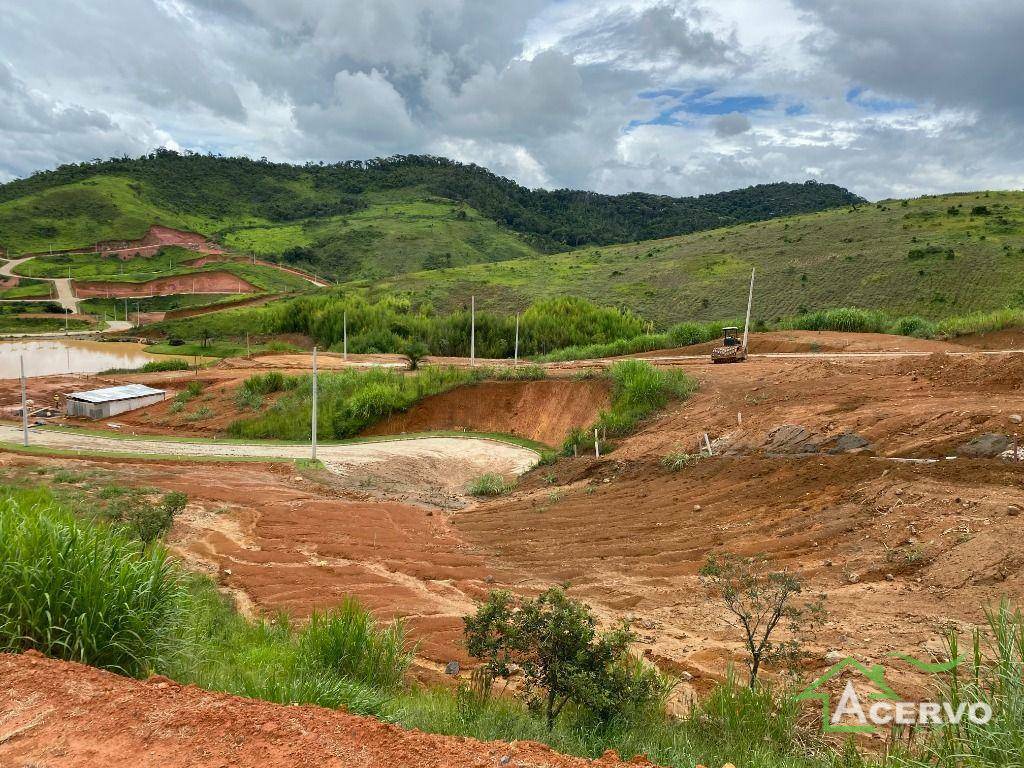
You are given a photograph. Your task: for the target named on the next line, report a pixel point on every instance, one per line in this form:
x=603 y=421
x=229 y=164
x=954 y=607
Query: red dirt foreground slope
x=57 y=714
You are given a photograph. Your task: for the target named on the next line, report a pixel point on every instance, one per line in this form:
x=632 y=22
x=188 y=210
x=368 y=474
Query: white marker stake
x=472 y=331
x=515 y=360
x=24 y=403
x=597 y=445
x=313 y=416
x=707 y=443
x=344 y=335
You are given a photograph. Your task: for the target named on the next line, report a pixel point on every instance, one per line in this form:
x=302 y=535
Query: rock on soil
x=60 y=715
x=848 y=442
x=985 y=446
x=790 y=438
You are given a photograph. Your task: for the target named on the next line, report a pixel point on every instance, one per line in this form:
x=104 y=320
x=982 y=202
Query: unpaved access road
x=453 y=460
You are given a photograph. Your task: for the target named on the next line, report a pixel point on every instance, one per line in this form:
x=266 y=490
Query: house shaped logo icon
x=875 y=673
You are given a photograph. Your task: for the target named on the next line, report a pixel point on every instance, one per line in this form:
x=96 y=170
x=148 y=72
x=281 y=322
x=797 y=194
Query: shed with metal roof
x=110 y=401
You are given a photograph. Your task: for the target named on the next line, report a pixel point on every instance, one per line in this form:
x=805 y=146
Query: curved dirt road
x=441 y=460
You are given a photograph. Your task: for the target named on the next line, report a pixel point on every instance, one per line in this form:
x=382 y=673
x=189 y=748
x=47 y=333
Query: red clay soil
x=65 y=715
x=198 y=282
x=544 y=411
x=157 y=237
x=1007 y=338
x=820 y=341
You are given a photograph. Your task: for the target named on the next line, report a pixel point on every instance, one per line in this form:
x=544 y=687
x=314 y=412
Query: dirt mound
x=61 y=715
x=544 y=410
x=819 y=341
x=157 y=237
x=989 y=373
x=198 y=282
x=1007 y=338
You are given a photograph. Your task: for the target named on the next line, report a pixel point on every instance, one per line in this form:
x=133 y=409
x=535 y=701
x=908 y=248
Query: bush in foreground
x=82 y=592
x=551 y=642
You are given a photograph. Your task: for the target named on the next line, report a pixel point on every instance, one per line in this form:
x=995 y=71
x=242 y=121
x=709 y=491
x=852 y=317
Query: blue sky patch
x=860 y=97
x=700 y=101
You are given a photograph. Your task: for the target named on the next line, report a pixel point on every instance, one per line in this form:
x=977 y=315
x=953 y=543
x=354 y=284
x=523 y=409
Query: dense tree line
x=554 y=220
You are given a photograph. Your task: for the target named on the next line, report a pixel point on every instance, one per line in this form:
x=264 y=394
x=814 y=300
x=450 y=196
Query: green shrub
x=490 y=484
x=679 y=460
x=846 y=319
x=82 y=592
x=914 y=326
x=552 y=642
x=153 y=366
x=685 y=334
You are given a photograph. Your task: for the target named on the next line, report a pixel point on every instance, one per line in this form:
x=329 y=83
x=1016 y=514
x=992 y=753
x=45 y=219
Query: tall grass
x=81 y=592
x=342 y=657
x=994 y=676
x=981 y=322
x=638 y=390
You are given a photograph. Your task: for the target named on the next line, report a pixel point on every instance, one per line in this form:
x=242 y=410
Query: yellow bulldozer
x=733 y=350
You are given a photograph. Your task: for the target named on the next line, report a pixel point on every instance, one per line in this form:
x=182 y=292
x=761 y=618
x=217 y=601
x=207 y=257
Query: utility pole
x=472 y=331
x=344 y=335
x=24 y=404
x=126 y=311
x=515 y=359
x=313 y=414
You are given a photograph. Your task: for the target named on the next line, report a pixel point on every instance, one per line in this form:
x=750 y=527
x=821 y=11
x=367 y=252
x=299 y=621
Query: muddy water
x=45 y=357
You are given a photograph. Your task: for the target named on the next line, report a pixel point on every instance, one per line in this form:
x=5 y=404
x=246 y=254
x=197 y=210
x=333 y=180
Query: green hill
x=932 y=256
x=360 y=220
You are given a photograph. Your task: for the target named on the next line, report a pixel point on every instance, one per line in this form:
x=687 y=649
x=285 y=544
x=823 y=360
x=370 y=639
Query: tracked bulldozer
x=733 y=350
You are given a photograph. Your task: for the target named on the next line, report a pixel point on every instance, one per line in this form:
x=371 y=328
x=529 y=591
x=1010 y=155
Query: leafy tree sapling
x=758 y=600
x=551 y=641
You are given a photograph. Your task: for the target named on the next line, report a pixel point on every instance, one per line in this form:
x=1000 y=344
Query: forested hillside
x=361 y=219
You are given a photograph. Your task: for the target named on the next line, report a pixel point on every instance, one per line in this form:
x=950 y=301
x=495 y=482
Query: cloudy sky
x=671 y=96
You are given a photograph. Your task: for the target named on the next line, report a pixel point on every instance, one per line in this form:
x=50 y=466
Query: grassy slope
x=28 y=289
x=833 y=258
x=400 y=231
x=83 y=213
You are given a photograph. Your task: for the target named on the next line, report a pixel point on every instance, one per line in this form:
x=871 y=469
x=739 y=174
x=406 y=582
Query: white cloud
x=883 y=98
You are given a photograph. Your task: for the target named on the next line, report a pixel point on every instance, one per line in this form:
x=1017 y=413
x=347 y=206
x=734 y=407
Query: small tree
x=149 y=521
x=552 y=642
x=759 y=599
x=414 y=353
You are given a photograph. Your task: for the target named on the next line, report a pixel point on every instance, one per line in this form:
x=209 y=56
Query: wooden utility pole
x=313 y=414
x=24 y=404
x=515 y=359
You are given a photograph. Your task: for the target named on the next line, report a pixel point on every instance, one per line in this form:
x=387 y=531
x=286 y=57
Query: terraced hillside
x=932 y=256
x=358 y=219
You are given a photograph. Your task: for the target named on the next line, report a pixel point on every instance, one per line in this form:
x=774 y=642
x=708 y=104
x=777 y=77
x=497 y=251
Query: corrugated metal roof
x=110 y=394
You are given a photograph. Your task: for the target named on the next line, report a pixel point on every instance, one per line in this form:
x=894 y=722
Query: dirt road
x=442 y=459
x=65 y=293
